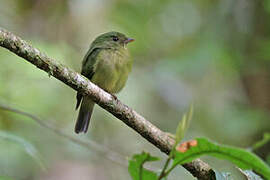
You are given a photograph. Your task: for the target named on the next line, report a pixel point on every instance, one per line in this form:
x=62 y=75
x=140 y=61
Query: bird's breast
x=112 y=70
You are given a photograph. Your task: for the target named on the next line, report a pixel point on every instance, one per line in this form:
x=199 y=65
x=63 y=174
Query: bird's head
x=112 y=40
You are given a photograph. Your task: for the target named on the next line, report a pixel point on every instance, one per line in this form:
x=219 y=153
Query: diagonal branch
x=78 y=82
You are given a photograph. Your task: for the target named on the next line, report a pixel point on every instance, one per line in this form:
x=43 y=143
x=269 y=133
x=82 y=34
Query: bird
x=107 y=64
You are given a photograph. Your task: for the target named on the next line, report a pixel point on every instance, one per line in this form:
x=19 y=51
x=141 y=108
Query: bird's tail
x=84 y=116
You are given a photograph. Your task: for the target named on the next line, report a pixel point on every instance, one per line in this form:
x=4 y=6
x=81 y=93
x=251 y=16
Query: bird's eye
x=115 y=38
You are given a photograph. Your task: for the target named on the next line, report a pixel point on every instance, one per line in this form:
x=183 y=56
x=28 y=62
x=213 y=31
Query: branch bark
x=160 y=139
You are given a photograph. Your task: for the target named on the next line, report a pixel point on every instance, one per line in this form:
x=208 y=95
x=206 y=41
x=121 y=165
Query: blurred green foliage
x=213 y=53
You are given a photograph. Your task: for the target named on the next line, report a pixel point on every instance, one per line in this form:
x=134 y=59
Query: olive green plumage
x=107 y=64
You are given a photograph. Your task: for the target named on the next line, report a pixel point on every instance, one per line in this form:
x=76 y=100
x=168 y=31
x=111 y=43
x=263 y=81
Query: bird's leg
x=113 y=95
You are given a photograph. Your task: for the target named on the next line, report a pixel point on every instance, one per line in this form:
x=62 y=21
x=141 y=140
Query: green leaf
x=266 y=139
x=183 y=125
x=222 y=175
x=28 y=147
x=250 y=175
x=136 y=170
x=242 y=158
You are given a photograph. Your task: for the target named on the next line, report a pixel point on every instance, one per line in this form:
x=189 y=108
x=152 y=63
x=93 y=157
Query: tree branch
x=78 y=82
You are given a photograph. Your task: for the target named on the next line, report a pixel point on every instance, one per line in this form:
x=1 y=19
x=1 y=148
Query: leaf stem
x=259 y=144
x=164 y=168
x=167 y=172
x=163 y=173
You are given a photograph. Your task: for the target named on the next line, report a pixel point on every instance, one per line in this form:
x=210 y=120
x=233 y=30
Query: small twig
x=111 y=155
x=170 y=169
x=164 y=168
x=163 y=174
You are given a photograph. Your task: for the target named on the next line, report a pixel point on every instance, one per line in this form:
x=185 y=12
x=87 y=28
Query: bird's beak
x=128 y=40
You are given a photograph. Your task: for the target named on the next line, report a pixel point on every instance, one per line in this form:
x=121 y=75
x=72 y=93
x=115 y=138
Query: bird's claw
x=114 y=96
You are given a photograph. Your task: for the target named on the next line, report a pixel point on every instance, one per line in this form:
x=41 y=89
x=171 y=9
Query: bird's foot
x=114 y=96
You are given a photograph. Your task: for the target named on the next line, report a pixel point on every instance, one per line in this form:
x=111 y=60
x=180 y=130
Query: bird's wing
x=89 y=61
x=88 y=68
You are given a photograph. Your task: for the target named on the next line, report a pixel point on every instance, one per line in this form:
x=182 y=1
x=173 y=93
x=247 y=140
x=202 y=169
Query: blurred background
x=214 y=53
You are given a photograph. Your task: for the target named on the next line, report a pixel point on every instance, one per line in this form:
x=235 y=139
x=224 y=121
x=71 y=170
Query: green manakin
x=107 y=64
